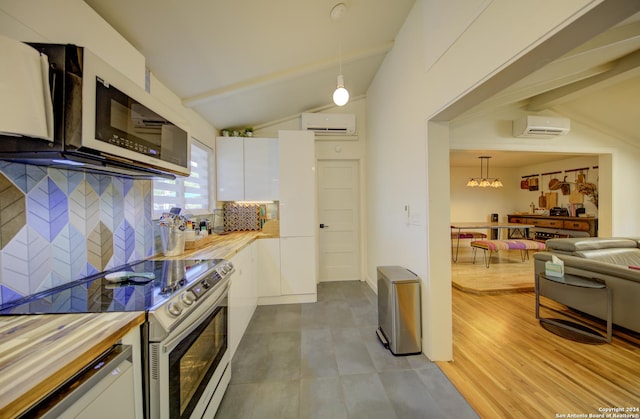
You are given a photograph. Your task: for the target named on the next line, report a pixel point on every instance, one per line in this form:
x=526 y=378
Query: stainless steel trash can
x=399 y=310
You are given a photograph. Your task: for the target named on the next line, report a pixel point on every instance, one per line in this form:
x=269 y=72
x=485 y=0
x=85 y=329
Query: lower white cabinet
x=269 y=267
x=286 y=270
x=108 y=388
x=297 y=267
x=243 y=294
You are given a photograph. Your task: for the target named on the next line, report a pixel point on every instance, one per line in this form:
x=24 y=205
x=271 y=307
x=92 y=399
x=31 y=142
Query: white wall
x=477 y=204
x=408 y=159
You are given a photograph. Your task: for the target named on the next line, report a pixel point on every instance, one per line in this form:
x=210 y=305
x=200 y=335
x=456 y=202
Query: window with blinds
x=192 y=194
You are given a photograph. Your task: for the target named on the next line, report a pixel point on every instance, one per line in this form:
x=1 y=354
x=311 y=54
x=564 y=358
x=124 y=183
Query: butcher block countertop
x=223 y=246
x=40 y=352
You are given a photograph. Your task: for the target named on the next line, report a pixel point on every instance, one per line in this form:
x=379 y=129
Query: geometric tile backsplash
x=57 y=226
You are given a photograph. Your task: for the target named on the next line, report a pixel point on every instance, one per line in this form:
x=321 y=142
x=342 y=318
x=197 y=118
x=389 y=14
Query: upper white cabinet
x=261 y=170
x=230 y=168
x=247 y=169
x=297 y=183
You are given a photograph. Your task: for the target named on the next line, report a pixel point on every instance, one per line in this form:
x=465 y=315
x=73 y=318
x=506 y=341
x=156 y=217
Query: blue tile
x=7 y=295
x=47 y=209
x=24 y=176
x=124 y=241
x=99 y=183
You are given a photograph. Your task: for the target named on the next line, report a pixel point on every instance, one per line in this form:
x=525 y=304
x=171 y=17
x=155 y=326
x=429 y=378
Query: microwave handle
x=171 y=344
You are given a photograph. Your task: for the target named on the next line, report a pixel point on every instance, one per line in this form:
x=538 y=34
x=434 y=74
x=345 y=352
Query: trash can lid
x=397 y=274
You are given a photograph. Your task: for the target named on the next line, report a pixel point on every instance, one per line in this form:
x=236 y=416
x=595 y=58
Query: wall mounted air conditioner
x=329 y=123
x=535 y=126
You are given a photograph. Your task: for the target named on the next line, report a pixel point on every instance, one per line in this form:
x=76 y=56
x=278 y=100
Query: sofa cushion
x=624 y=257
x=576 y=244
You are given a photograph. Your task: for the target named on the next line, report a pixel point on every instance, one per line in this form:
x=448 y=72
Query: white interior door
x=338 y=215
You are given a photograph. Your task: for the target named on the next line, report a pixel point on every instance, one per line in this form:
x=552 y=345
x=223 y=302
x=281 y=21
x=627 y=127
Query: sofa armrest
x=588 y=265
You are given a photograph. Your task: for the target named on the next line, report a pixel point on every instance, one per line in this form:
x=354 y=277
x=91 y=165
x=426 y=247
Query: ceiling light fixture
x=340 y=95
x=484 y=181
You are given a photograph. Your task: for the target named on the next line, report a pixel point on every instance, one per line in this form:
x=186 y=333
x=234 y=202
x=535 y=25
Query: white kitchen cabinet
x=269 y=267
x=286 y=270
x=297 y=267
x=287 y=266
x=261 y=169
x=243 y=294
x=230 y=168
x=297 y=183
x=247 y=169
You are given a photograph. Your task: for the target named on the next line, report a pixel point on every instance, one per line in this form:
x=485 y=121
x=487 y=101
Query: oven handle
x=171 y=344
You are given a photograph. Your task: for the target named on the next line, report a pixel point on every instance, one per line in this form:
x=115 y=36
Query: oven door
x=191 y=365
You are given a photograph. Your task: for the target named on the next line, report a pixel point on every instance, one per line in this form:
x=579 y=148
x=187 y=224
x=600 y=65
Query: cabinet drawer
x=577 y=225
x=548 y=223
x=519 y=220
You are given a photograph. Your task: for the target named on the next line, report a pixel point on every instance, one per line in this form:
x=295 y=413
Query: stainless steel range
x=187 y=341
x=185 y=338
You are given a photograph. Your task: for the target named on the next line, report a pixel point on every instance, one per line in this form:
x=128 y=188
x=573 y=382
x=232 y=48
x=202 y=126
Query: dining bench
x=496 y=245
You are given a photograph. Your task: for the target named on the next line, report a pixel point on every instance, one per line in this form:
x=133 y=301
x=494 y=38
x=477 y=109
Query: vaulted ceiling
x=248 y=62
x=597 y=84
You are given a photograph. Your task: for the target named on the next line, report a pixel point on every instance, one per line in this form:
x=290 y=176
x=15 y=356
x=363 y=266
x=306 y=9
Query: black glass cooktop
x=96 y=294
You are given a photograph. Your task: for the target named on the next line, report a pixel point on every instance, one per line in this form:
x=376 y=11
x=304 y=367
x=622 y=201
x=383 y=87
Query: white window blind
x=192 y=194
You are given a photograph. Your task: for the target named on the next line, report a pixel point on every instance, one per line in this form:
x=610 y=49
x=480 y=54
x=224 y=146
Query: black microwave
x=102 y=122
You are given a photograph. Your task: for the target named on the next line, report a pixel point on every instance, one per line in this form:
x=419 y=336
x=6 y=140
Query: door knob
x=324 y=225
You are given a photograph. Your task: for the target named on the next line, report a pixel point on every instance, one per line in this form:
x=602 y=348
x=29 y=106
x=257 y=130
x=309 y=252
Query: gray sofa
x=604 y=259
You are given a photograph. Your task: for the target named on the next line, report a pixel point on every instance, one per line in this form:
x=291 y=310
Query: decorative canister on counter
x=172 y=240
x=172 y=228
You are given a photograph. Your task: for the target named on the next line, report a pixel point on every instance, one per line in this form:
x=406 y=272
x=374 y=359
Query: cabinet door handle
x=322 y=225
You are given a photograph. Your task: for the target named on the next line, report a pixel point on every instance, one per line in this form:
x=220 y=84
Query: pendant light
x=484 y=181
x=340 y=95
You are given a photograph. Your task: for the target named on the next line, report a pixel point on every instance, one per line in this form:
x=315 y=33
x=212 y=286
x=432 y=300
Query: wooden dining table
x=514 y=230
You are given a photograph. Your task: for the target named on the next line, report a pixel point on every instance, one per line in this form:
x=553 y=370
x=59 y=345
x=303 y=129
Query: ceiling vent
x=534 y=126
x=329 y=123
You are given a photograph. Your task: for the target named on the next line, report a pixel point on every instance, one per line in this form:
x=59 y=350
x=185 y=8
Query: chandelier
x=484 y=181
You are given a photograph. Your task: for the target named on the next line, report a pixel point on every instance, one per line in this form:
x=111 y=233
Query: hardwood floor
x=506 y=272
x=506 y=365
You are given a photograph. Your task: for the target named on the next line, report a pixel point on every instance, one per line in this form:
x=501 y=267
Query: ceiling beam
x=287 y=74
x=623 y=68
x=595 y=21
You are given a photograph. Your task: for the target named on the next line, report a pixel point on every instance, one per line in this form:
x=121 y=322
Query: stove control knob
x=174 y=309
x=187 y=298
x=226 y=268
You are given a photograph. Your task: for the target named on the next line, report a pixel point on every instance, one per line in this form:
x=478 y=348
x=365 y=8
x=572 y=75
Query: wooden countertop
x=40 y=352
x=221 y=246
